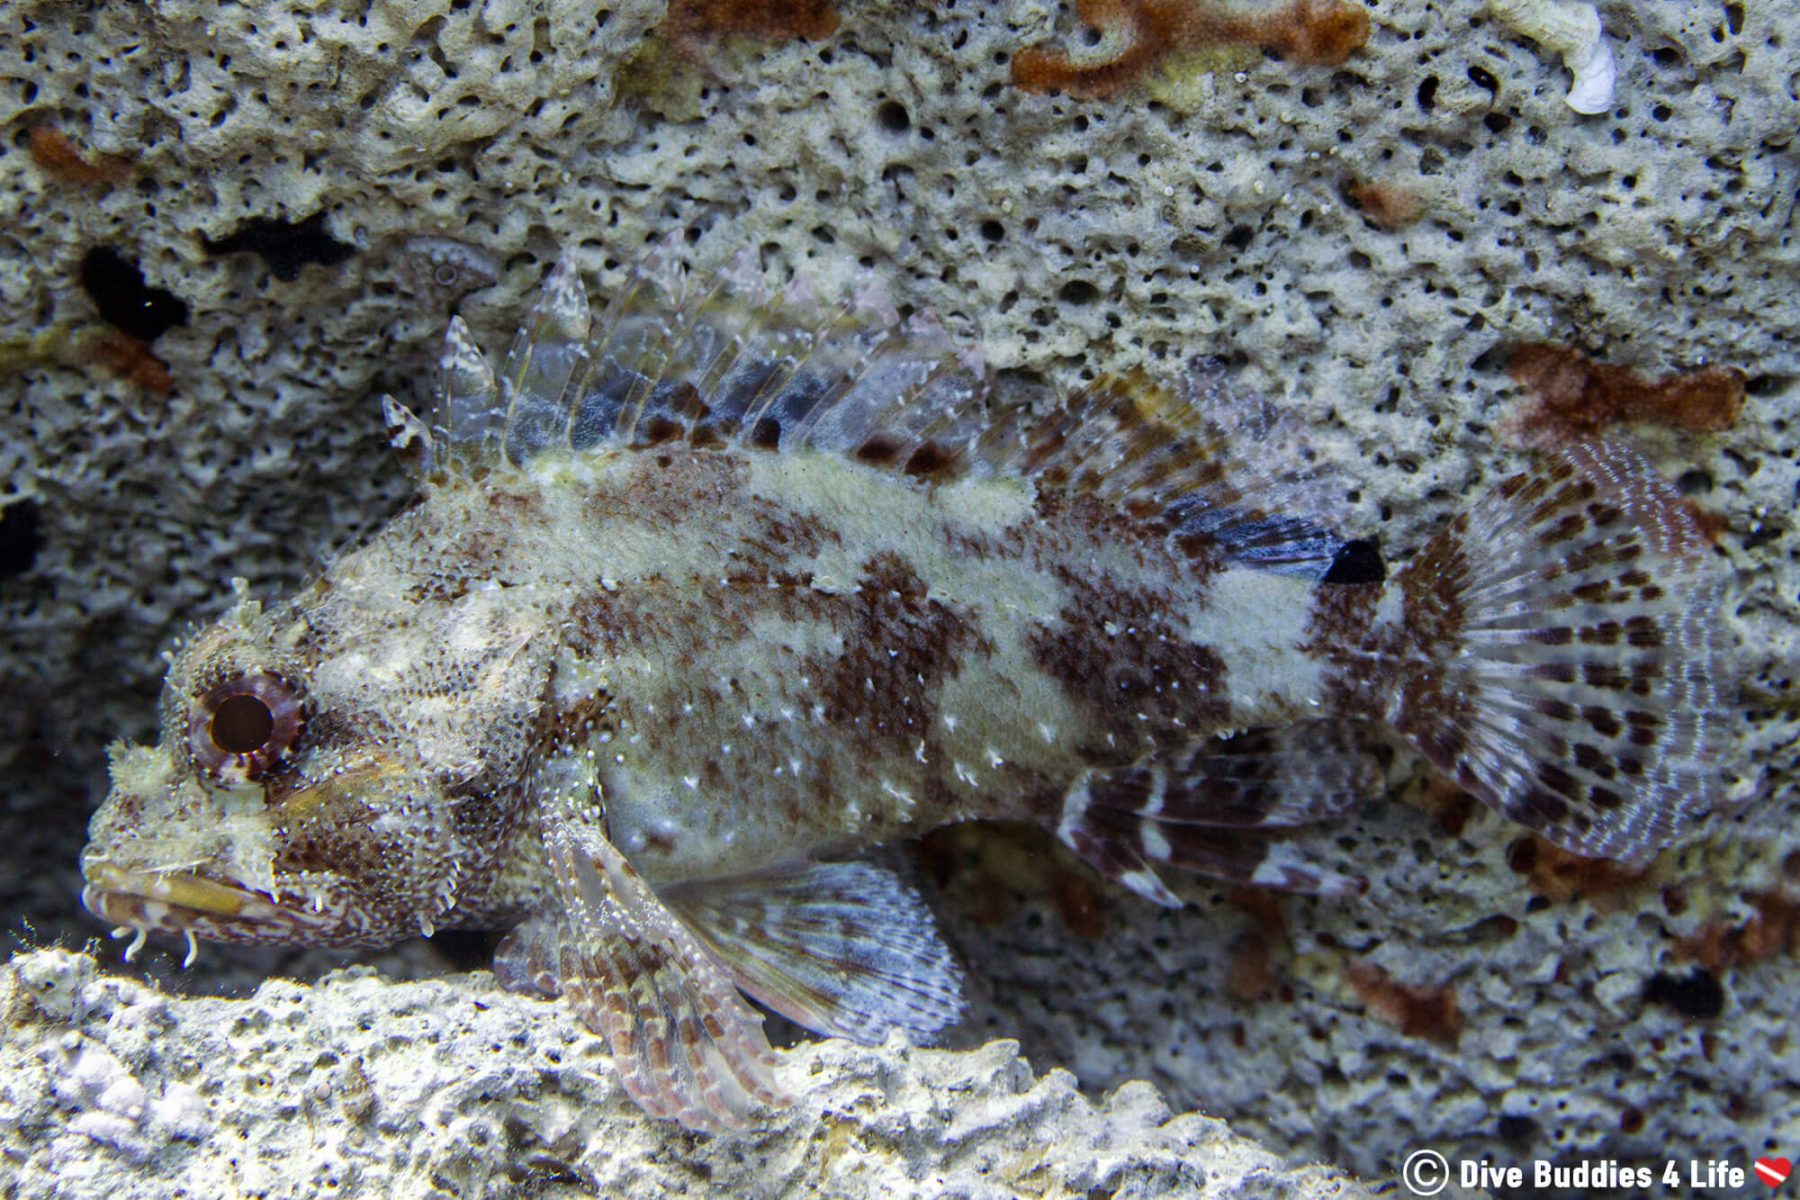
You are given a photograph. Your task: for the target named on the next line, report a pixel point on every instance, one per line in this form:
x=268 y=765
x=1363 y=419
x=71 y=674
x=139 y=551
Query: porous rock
x=1199 y=214
x=358 y=1086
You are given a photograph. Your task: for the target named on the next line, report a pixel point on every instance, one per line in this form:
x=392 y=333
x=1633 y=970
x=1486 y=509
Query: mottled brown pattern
x=776 y=536
x=1149 y=683
x=563 y=727
x=667 y=488
x=480 y=556
x=900 y=644
x=1090 y=518
x=337 y=836
x=1432 y=711
x=1361 y=655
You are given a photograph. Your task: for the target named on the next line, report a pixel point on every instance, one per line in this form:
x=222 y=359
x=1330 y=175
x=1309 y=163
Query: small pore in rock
x=116 y=286
x=1699 y=996
x=283 y=246
x=21 y=537
x=1304 y=32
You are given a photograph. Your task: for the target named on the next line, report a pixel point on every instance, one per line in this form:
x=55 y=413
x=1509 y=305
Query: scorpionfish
x=706 y=593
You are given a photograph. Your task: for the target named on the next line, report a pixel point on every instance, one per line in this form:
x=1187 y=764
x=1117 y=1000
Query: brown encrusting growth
x=1386 y=204
x=1450 y=804
x=989 y=867
x=1426 y=1012
x=1772 y=930
x=1576 y=396
x=52 y=150
x=132 y=359
x=1078 y=901
x=1558 y=876
x=81 y=346
x=694 y=22
x=1307 y=32
x=1251 y=974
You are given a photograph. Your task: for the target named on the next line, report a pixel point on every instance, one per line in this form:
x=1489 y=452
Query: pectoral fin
x=687 y=1046
x=529 y=959
x=844 y=949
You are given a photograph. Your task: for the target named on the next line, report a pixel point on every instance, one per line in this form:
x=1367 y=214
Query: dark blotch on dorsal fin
x=1357 y=561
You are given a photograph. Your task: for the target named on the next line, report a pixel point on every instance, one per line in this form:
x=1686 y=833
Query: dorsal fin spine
x=469 y=397
x=546 y=357
x=766 y=370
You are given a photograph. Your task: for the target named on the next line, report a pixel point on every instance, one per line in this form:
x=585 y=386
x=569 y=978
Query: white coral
x=1572 y=30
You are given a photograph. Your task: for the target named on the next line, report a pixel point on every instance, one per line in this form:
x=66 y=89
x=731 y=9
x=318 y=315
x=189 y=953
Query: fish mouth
x=172 y=901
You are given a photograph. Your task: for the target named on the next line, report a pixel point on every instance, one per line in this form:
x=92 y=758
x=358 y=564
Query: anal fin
x=1275 y=777
x=1191 y=811
x=686 y=1045
x=845 y=949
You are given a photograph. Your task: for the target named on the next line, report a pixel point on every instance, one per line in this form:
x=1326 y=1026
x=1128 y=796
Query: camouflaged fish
x=709 y=593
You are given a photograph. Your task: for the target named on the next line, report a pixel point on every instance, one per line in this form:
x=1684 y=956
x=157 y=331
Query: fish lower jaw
x=173 y=902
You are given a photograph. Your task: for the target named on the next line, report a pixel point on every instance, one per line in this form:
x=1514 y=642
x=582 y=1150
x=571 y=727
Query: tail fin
x=1564 y=654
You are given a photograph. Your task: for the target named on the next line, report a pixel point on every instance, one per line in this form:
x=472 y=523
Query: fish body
x=702 y=599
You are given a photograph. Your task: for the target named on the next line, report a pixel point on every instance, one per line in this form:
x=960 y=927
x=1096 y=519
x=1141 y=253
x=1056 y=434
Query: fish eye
x=241 y=727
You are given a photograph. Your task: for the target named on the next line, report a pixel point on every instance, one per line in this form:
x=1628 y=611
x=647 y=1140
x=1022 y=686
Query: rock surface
x=361 y=1087
x=1487 y=998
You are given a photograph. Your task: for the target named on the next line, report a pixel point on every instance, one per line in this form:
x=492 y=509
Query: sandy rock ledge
x=362 y=1086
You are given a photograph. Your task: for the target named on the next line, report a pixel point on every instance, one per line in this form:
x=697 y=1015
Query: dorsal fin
x=1219 y=467
x=723 y=361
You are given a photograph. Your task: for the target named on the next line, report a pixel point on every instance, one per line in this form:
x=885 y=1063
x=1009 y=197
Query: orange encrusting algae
x=1560 y=877
x=1423 y=1012
x=1772 y=930
x=132 y=359
x=52 y=150
x=697 y=21
x=1576 y=396
x=1385 y=204
x=1307 y=32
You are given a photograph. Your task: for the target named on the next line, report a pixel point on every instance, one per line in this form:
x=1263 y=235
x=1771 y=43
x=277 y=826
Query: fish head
x=320 y=778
